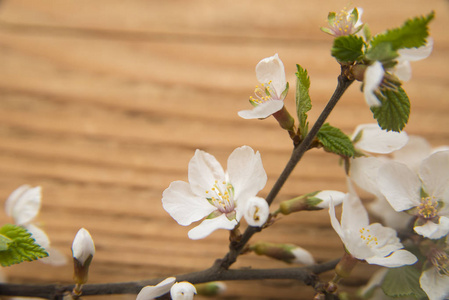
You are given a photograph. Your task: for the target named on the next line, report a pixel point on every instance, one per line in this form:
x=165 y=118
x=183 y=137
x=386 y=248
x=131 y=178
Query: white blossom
x=213 y=193
x=269 y=96
x=23 y=205
x=373 y=77
x=425 y=194
x=371 y=138
x=373 y=243
x=402 y=69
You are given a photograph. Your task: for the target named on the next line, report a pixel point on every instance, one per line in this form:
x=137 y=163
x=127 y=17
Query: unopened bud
x=286 y=252
x=210 y=289
x=182 y=291
x=257 y=211
x=83 y=250
x=312 y=201
x=150 y=292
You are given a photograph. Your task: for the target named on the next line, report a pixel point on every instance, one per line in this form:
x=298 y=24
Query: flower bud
x=312 y=201
x=257 y=211
x=182 y=291
x=83 y=250
x=286 y=252
x=210 y=289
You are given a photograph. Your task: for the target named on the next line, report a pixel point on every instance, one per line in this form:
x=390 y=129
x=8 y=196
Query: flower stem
x=343 y=83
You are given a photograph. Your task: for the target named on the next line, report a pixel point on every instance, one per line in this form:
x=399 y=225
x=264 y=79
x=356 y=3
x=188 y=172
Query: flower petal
x=396 y=259
x=263 y=110
x=204 y=170
x=354 y=215
x=302 y=256
x=334 y=222
x=412 y=154
x=372 y=79
x=399 y=185
x=246 y=174
x=435 y=285
x=376 y=140
x=24 y=204
x=38 y=235
x=434 y=231
x=403 y=71
x=415 y=54
x=209 y=225
x=434 y=173
x=183 y=205
x=151 y=292
x=363 y=172
x=272 y=69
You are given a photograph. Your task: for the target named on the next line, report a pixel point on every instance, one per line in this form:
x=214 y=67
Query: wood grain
x=104 y=103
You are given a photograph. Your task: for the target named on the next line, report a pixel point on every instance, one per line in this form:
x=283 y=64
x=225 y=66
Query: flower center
x=222 y=196
x=368 y=238
x=263 y=93
x=344 y=23
x=428 y=209
x=440 y=260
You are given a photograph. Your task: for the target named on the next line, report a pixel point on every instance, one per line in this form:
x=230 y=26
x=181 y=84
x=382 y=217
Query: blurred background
x=103 y=103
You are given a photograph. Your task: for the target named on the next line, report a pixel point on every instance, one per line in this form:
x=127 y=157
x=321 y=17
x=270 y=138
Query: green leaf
x=413 y=33
x=4 y=242
x=394 y=112
x=347 y=48
x=303 y=102
x=334 y=140
x=382 y=52
x=403 y=281
x=21 y=248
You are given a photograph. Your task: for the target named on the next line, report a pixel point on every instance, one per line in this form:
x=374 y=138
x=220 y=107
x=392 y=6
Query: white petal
x=204 y=170
x=257 y=211
x=151 y=292
x=434 y=173
x=434 y=231
x=391 y=218
x=263 y=110
x=38 y=235
x=23 y=204
x=209 y=225
x=354 y=215
x=363 y=172
x=182 y=291
x=415 y=54
x=246 y=174
x=334 y=222
x=403 y=71
x=183 y=205
x=413 y=152
x=302 y=256
x=399 y=185
x=54 y=258
x=272 y=69
x=435 y=285
x=326 y=196
x=396 y=259
x=376 y=140
x=83 y=246
x=372 y=79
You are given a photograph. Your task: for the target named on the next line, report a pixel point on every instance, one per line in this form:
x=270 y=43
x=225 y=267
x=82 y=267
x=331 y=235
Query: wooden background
x=103 y=104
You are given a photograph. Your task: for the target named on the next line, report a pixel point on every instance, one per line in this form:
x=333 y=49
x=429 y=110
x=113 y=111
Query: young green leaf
x=22 y=246
x=394 y=112
x=303 y=102
x=403 y=281
x=334 y=140
x=413 y=33
x=348 y=48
